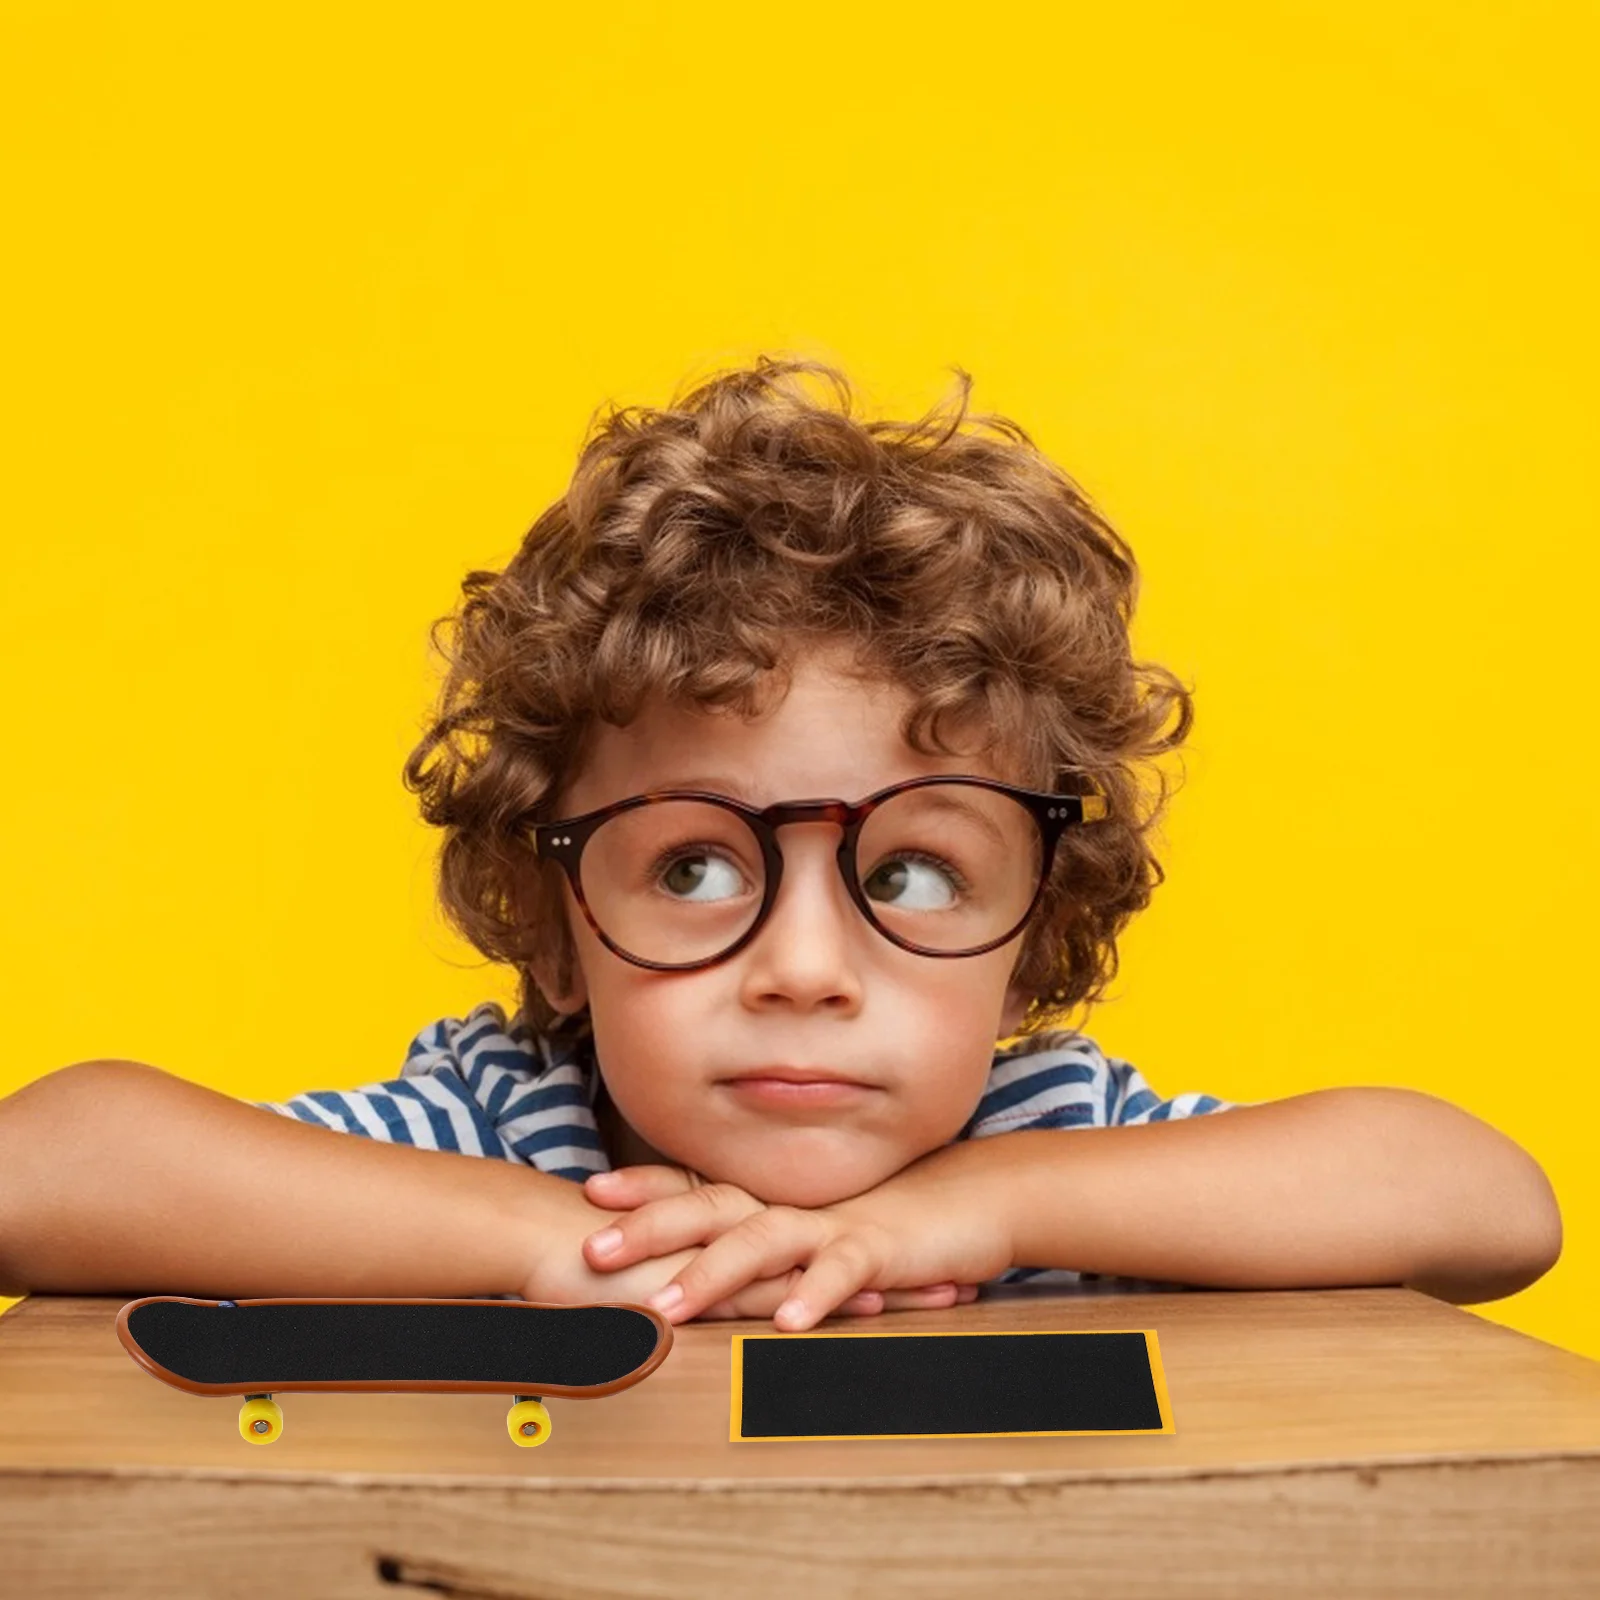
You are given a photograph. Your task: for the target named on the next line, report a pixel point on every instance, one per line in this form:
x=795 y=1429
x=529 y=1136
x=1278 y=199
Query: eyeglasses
x=682 y=879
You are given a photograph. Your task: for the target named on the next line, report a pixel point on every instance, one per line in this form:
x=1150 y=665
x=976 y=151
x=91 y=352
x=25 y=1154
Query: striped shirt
x=482 y=1086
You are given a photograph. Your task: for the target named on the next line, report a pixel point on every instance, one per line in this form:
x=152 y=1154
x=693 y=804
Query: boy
x=802 y=763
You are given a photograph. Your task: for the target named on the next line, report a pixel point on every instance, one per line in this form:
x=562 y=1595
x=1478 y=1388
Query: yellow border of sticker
x=736 y=1361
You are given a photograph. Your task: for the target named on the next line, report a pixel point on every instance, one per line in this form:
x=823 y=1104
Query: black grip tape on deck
x=493 y=1343
x=874 y=1386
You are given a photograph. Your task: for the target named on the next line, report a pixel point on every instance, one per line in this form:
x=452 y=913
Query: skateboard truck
x=261 y=1420
x=528 y=1420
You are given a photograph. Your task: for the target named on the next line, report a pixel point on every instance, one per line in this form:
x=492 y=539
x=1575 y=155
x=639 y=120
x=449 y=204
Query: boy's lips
x=778 y=1093
x=797 y=1075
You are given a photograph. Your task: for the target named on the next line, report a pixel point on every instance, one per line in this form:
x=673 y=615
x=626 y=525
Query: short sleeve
x=474 y=1085
x=1133 y=1100
x=1062 y=1079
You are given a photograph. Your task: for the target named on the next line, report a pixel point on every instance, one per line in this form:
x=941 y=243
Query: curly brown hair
x=698 y=546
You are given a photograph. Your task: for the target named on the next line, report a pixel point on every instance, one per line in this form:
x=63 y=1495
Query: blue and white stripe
x=480 y=1085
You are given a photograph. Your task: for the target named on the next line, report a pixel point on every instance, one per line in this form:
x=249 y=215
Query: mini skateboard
x=518 y=1347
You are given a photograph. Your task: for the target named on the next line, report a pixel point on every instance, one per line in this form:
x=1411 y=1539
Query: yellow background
x=307 y=310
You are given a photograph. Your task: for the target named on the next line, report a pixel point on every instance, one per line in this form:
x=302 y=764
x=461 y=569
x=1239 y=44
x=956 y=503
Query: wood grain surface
x=1353 y=1442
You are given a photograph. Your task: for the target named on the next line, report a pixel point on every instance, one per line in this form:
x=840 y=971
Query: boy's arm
x=118 y=1178
x=1340 y=1186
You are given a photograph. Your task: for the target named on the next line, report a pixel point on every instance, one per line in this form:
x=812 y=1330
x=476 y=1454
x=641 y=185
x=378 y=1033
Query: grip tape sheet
x=947 y=1385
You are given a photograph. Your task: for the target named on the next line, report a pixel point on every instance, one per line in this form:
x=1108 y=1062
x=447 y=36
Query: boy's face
x=816 y=987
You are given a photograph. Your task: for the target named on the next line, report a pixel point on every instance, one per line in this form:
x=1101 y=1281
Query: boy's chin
x=814 y=1187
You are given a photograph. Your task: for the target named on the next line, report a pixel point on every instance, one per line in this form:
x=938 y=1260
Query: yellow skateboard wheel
x=260 y=1421
x=528 y=1423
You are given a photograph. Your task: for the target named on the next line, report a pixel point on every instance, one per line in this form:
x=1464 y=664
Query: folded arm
x=1342 y=1186
x=118 y=1178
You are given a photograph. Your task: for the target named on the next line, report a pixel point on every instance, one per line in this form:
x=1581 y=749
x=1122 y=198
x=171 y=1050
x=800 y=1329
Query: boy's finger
x=932 y=1298
x=633 y=1186
x=674 y=1222
x=770 y=1241
x=866 y=1304
x=935 y=1295
x=826 y=1284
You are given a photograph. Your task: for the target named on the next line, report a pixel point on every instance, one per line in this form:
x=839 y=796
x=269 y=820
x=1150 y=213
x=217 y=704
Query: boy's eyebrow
x=717 y=784
x=731 y=787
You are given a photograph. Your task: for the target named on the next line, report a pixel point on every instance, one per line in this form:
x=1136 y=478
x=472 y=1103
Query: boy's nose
x=811 y=869
x=807 y=941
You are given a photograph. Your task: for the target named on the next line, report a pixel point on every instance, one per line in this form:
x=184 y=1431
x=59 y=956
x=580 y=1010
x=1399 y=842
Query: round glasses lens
x=674 y=881
x=947 y=867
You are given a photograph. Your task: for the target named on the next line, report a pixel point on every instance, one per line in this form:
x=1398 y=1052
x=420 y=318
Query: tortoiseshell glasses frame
x=563 y=841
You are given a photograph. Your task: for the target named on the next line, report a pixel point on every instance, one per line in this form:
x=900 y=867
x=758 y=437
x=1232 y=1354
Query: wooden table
x=1348 y=1442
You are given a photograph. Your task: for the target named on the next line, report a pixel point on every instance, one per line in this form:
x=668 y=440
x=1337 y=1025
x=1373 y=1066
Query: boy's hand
x=932 y=1222
x=563 y=1277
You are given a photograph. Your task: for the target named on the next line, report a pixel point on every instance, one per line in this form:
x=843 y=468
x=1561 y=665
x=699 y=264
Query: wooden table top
x=1268 y=1378
x=1359 y=1442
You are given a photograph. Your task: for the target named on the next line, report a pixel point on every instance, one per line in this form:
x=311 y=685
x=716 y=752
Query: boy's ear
x=1016 y=1006
x=557 y=971
x=566 y=998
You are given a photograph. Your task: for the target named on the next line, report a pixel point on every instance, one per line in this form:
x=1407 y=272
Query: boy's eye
x=909 y=881
x=687 y=871
x=934 y=885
